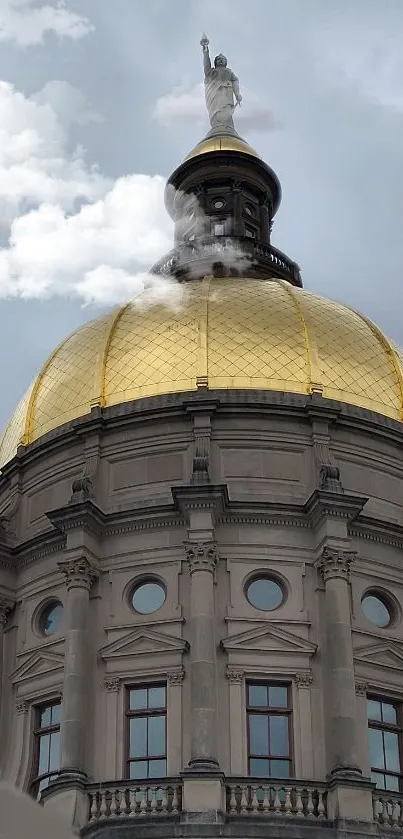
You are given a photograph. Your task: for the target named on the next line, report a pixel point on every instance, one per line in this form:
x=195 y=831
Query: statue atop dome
x=221 y=89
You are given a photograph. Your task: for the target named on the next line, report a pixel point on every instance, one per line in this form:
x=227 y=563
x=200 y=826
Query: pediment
x=385 y=654
x=143 y=642
x=267 y=639
x=38 y=664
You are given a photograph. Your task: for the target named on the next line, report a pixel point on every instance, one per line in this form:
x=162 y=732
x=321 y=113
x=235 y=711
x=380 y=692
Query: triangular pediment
x=38 y=664
x=266 y=639
x=385 y=654
x=143 y=642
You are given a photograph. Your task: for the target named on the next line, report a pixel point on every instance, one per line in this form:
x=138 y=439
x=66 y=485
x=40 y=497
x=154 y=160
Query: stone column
x=361 y=690
x=202 y=560
x=265 y=221
x=334 y=566
x=6 y=605
x=112 y=687
x=237 y=717
x=238 y=229
x=175 y=679
x=303 y=682
x=80 y=575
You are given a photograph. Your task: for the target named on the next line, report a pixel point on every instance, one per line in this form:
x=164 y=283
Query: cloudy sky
x=101 y=99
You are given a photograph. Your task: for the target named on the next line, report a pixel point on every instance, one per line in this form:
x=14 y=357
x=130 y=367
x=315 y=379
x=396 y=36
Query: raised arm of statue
x=206 y=55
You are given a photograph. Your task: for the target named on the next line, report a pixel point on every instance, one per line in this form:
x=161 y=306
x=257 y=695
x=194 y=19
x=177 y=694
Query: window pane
x=374 y=709
x=278 y=696
x=259 y=734
x=376 y=748
x=391 y=751
x=264 y=594
x=138 y=737
x=375 y=610
x=156 y=697
x=44 y=744
x=392 y=782
x=389 y=713
x=56 y=711
x=260 y=767
x=258 y=696
x=278 y=735
x=148 y=598
x=156 y=735
x=378 y=779
x=157 y=768
x=280 y=768
x=138 y=769
x=138 y=699
x=54 y=760
x=45 y=716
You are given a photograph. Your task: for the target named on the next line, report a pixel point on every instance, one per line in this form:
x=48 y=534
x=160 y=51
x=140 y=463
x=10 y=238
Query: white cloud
x=70 y=230
x=186 y=103
x=26 y=22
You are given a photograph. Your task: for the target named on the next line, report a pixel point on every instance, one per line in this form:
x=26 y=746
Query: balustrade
x=276 y=798
x=388 y=809
x=135 y=800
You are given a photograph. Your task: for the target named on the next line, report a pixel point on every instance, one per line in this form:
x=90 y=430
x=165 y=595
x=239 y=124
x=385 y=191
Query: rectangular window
x=250 y=231
x=146 y=721
x=218 y=228
x=269 y=729
x=46 y=745
x=385 y=743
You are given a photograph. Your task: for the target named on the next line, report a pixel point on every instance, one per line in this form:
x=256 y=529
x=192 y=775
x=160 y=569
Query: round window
x=249 y=210
x=264 y=593
x=376 y=609
x=218 y=203
x=148 y=597
x=51 y=618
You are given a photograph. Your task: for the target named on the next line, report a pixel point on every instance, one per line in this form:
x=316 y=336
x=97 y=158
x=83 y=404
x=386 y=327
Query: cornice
x=323 y=504
x=251 y=401
x=377 y=530
x=84 y=514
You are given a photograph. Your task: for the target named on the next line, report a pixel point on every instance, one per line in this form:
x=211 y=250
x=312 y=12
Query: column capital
x=6 y=606
x=78 y=573
x=303 y=680
x=112 y=684
x=22 y=707
x=201 y=556
x=361 y=688
x=235 y=675
x=176 y=676
x=335 y=563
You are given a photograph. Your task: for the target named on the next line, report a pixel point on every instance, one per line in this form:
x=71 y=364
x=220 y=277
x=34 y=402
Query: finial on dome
x=221 y=90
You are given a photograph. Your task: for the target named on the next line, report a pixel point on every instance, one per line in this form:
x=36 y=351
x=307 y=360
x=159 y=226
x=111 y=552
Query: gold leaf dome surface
x=225 y=333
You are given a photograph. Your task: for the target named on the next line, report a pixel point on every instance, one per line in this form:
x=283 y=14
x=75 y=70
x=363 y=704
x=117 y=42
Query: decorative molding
x=201 y=556
x=268 y=639
x=303 y=680
x=335 y=563
x=6 y=606
x=271 y=521
x=78 y=573
x=40 y=663
x=361 y=688
x=22 y=707
x=235 y=675
x=143 y=642
x=176 y=676
x=112 y=684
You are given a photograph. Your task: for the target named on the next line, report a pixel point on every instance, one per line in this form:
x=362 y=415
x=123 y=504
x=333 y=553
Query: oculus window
x=264 y=593
x=376 y=609
x=147 y=596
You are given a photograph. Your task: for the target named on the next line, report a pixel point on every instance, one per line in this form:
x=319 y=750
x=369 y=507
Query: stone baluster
x=334 y=566
x=202 y=560
x=79 y=575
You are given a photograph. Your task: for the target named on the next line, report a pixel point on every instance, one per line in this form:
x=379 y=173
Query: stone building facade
x=201 y=545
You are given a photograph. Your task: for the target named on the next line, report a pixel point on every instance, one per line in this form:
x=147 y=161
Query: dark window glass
x=51 y=618
x=269 y=730
x=249 y=231
x=146 y=714
x=46 y=762
x=385 y=744
x=148 y=597
x=264 y=593
x=376 y=610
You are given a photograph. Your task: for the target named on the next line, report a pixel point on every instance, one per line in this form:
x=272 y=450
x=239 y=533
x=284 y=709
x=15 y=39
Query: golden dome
x=222 y=142
x=224 y=334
